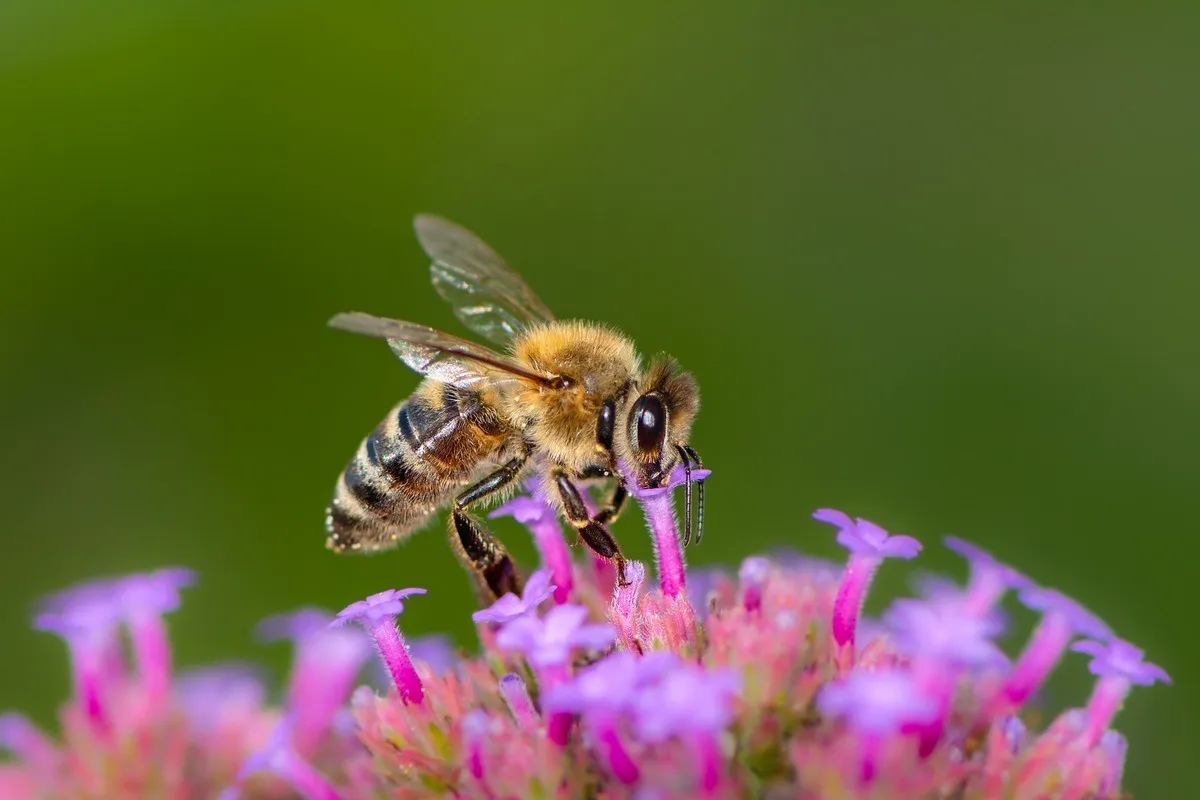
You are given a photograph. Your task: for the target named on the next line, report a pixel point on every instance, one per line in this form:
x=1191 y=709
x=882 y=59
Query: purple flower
x=660 y=517
x=1051 y=601
x=1120 y=659
x=379 y=607
x=990 y=578
x=1120 y=666
x=325 y=665
x=212 y=695
x=516 y=697
x=863 y=537
x=509 y=607
x=753 y=575
x=549 y=641
x=943 y=633
x=685 y=701
x=1062 y=618
x=869 y=545
x=279 y=758
x=878 y=703
x=536 y=513
x=377 y=614
x=88 y=617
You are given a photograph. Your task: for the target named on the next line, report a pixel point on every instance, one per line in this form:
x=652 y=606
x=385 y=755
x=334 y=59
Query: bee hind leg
x=477 y=547
x=592 y=532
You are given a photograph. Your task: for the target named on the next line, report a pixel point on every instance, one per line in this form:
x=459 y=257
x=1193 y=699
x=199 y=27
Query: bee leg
x=613 y=508
x=593 y=533
x=475 y=545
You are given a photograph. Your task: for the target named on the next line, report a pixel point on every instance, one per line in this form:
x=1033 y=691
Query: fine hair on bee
x=565 y=400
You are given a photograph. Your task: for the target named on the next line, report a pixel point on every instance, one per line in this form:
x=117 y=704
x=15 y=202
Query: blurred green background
x=935 y=268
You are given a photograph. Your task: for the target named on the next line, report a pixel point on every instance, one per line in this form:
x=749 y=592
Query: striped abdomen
x=426 y=450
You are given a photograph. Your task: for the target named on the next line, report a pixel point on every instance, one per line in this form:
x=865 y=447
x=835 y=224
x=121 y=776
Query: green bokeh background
x=937 y=268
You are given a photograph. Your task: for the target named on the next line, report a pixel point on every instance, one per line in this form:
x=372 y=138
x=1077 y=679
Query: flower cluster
x=764 y=682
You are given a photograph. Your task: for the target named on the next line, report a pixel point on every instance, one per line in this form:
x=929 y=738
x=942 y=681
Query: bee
x=568 y=400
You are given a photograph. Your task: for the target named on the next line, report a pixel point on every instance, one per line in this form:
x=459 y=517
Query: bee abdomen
x=409 y=466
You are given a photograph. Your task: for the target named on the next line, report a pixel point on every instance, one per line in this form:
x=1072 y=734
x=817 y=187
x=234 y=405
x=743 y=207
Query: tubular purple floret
x=507 y=608
x=876 y=706
x=548 y=642
x=279 y=758
x=209 y=695
x=869 y=545
x=624 y=612
x=990 y=578
x=20 y=737
x=325 y=665
x=1120 y=666
x=1062 y=619
x=516 y=697
x=536 y=513
x=659 y=510
x=753 y=575
x=377 y=614
x=88 y=619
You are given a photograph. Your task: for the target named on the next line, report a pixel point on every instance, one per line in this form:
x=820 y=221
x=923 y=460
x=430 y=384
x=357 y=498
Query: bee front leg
x=594 y=533
x=476 y=546
x=612 y=509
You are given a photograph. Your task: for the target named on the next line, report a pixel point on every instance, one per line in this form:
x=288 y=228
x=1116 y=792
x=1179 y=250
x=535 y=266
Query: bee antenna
x=687 y=496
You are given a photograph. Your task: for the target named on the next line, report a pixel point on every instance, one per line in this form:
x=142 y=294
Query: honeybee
x=567 y=398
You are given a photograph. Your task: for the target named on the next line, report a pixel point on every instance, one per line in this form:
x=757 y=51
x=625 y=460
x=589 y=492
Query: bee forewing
x=487 y=295
x=424 y=350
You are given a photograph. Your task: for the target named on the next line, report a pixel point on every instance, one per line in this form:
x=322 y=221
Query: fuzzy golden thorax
x=599 y=364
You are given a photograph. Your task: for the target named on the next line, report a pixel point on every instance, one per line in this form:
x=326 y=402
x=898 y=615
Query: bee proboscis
x=567 y=398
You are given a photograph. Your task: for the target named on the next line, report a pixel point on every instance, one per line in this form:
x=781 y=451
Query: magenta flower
x=619 y=691
x=753 y=575
x=536 y=513
x=869 y=545
x=990 y=578
x=279 y=758
x=325 y=666
x=507 y=608
x=548 y=642
x=1120 y=666
x=660 y=516
x=877 y=705
x=1062 y=619
x=943 y=633
x=377 y=614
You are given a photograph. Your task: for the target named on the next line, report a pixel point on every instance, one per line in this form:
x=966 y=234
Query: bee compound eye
x=651 y=418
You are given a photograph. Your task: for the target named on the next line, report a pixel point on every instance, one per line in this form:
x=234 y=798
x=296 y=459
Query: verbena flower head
x=754 y=682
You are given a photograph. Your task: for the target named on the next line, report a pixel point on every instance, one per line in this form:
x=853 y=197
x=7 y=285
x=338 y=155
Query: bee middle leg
x=478 y=547
x=593 y=533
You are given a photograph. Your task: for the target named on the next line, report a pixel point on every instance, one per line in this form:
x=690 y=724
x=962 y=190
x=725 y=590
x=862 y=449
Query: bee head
x=659 y=421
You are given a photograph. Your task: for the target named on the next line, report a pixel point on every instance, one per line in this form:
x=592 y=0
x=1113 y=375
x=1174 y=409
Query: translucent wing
x=438 y=355
x=486 y=293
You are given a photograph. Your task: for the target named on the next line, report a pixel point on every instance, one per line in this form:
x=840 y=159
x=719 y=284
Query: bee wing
x=487 y=295
x=437 y=355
